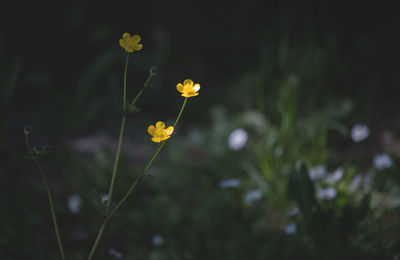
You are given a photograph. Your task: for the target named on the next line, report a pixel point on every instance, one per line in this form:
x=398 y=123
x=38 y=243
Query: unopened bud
x=27 y=129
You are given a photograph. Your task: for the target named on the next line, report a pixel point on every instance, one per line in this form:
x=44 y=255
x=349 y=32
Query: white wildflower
x=382 y=161
x=104 y=198
x=229 y=183
x=75 y=203
x=326 y=193
x=113 y=252
x=293 y=212
x=291 y=229
x=252 y=195
x=335 y=176
x=157 y=240
x=359 y=132
x=317 y=172
x=237 y=139
x=360 y=181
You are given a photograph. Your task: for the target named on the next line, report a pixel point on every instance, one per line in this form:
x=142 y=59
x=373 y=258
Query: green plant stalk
x=53 y=213
x=116 y=161
x=125 y=72
x=125 y=197
x=146 y=83
x=121 y=132
x=180 y=112
x=121 y=136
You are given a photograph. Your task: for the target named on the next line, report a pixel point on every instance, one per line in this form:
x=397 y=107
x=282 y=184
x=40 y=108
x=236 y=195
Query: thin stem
x=100 y=233
x=125 y=197
x=121 y=132
x=146 y=83
x=180 y=112
x=125 y=72
x=116 y=161
x=53 y=213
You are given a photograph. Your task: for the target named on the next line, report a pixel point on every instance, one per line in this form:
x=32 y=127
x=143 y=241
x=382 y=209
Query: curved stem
x=125 y=72
x=116 y=161
x=180 y=113
x=146 y=83
x=53 y=213
x=125 y=197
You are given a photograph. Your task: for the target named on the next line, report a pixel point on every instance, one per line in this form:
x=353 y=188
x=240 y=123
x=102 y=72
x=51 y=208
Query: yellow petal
x=188 y=82
x=179 y=87
x=136 y=38
x=169 y=130
x=196 y=87
x=156 y=139
x=122 y=43
x=192 y=93
x=151 y=129
x=138 y=47
x=160 y=124
x=126 y=36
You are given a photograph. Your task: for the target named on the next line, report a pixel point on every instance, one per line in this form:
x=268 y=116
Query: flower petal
x=169 y=130
x=126 y=36
x=156 y=139
x=188 y=82
x=138 y=47
x=122 y=43
x=196 y=87
x=151 y=130
x=160 y=124
x=179 y=87
x=136 y=38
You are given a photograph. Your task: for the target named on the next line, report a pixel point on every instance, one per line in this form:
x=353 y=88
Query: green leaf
x=97 y=201
x=132 y=109
x=301 y=189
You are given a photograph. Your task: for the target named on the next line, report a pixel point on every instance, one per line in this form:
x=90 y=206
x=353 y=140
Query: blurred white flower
x=317 y=172
x=237 y=139
x=252 y=195
x=382 y=161
x=293 y=212
x=104 y=198
x=157 y=240
x=291 y=229
x=335 y=176
x=359 y=132
x=360 y=181
x=113 y=252
x=75 y=203
x=229 y=183
x=326 y=193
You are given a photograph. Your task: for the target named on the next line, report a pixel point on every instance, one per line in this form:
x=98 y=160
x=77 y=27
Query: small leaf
x=96 y=199
x=133 y=109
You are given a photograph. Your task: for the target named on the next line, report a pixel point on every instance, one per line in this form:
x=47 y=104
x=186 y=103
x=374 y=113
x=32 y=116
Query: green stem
x=125 y=72
x=139 y=178
x=116 y=161
x=53 y=213
x=146 y=83
x=180 y=113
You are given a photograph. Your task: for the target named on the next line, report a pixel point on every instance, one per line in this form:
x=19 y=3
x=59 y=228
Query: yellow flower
x=129 y=43
x=188 y=89
x=159 y=133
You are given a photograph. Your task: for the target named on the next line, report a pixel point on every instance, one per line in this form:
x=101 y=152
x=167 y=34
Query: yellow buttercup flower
x=159 y=133
x=129 y=43
x=188 y=88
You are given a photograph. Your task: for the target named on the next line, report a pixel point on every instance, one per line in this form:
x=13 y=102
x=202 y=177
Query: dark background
x=61 y=72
